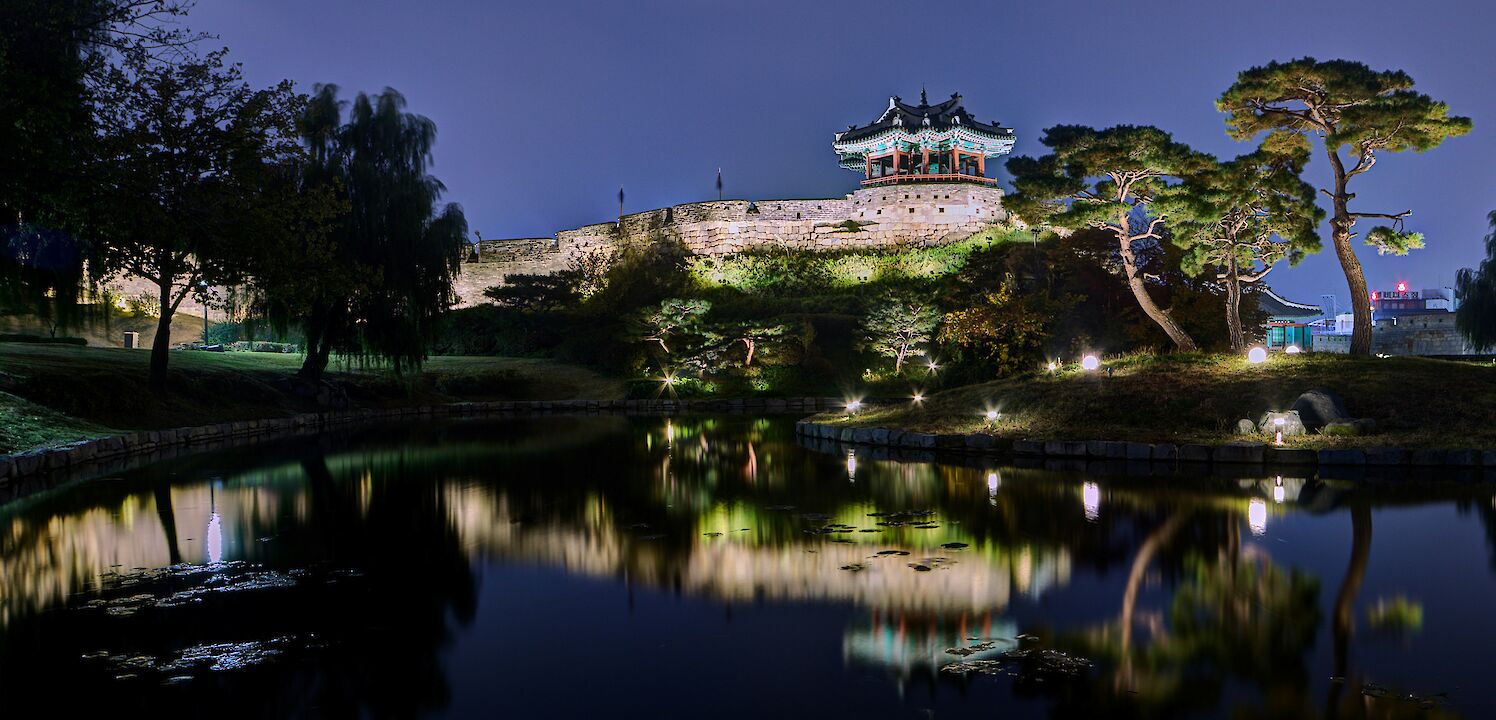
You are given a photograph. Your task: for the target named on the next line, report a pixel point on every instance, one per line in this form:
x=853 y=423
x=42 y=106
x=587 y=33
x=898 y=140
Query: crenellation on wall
x=898 y=216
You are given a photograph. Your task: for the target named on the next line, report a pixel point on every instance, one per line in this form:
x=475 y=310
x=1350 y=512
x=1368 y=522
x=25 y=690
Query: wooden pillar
x=924 y=166
x=955 y=161
x=867 y=164
x=982 y=165
x=896 y=160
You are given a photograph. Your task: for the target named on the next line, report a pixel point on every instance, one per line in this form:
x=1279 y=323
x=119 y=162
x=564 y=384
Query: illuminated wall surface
x=370 y=551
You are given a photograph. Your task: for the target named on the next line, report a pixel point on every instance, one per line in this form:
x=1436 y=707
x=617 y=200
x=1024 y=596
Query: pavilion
x=923 y=143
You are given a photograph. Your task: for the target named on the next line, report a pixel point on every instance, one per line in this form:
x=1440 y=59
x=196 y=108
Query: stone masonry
x=902 y=215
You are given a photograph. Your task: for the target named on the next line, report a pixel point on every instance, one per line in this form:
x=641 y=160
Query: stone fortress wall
x=893 y=216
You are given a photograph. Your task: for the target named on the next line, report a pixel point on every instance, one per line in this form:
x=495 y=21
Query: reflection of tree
x=370 y=577
x=1230 y=617
x=1345 y=600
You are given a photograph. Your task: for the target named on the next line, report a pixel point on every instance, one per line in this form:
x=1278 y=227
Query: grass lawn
x=51 y=394
x=1416 y=402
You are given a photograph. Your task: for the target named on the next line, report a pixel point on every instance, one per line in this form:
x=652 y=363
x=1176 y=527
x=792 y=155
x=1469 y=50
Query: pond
x=604 y=566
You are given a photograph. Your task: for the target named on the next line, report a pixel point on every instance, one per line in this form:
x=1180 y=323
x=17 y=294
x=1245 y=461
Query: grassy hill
x=58 y=393
x=1416 y=402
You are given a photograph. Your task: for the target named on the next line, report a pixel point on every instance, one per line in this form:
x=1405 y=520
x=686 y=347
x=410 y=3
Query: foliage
x=1476 y=316
x=1106 y=179
x=1006 y=331
x=797 y=273
x=900 y=325
x=1236 y=220
x=52 y=59
x=385 y=263
x=534 y=292
x=1349 y=107
x=675 y=317
x=188 y=159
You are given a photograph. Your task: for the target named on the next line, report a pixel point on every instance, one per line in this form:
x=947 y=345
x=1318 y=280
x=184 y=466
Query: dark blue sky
x=545 y=108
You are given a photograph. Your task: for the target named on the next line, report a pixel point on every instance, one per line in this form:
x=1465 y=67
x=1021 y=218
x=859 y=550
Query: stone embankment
x=32 y=471
x=1233 y=453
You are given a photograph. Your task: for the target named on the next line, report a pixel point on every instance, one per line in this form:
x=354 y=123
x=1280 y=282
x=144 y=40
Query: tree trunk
x=161 y=345
x=1182 y=340
x=898 y=362
x=1233 y=306
x=748 y=342
x=1150 y=547
x=1340 y=227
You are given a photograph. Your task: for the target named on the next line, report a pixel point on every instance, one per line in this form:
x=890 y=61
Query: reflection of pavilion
x=909 y=642
x=739 y=569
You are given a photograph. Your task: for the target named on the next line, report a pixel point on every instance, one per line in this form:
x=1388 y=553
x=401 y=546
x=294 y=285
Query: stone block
x=880 y=436
x=1386 y=456
x=1194 y=453
x=1138 y=451
x=919 y=440
x=1028 y=447
x=1488 y=458
x=1165 y=451
x=845 y=434
x=1065 y=448
x=1290 y=456
x=1342 y=457
x=1462 y=458
x=862 y=435
x=1428 y=457
x=1239 y=452
x=980 y=441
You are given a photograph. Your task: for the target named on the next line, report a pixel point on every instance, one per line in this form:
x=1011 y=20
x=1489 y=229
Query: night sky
x=544 y=109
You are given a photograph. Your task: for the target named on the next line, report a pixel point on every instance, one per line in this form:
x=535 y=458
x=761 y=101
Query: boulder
x=1245 y=427
x=1320 y=407
x=1289 y=423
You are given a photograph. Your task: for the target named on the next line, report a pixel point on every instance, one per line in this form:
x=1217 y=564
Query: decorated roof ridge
x=940 y=116
x=1278 y=306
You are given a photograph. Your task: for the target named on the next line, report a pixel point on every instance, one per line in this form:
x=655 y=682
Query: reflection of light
x=1257 y=516
x=1089 y=362
x=1292 y=350
x=993 y=483
x=1090 y=495
x=215 y=529
x=1278 y=493
x=669 y=432
x=851 y=465
x=1256 y=355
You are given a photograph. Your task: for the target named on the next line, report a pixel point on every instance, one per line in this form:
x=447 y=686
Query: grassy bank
x=51 y=394
x=1416 y=402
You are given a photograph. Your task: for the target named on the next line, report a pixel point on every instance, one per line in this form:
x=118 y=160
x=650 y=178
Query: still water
x=712 y=568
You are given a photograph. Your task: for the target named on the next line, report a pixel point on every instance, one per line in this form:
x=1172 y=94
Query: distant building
x=924 y=143
x=1403 y=322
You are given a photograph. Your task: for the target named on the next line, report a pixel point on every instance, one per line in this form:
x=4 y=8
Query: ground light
x=918 y=397
x=1090 y=362
x=1292 y=350
x=1256 y=356
x=1278 y=422
x=992 y=415
x=1053 y=366
x=853 y=406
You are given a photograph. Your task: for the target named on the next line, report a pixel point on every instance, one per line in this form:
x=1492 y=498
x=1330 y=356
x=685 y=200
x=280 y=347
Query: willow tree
x=1355 y=110
x=1107 y=179
x=374 y=283
x=1239 y=219
x=1476 y=317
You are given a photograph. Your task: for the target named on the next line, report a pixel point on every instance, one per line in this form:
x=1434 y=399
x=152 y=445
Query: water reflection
x=346 y=575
